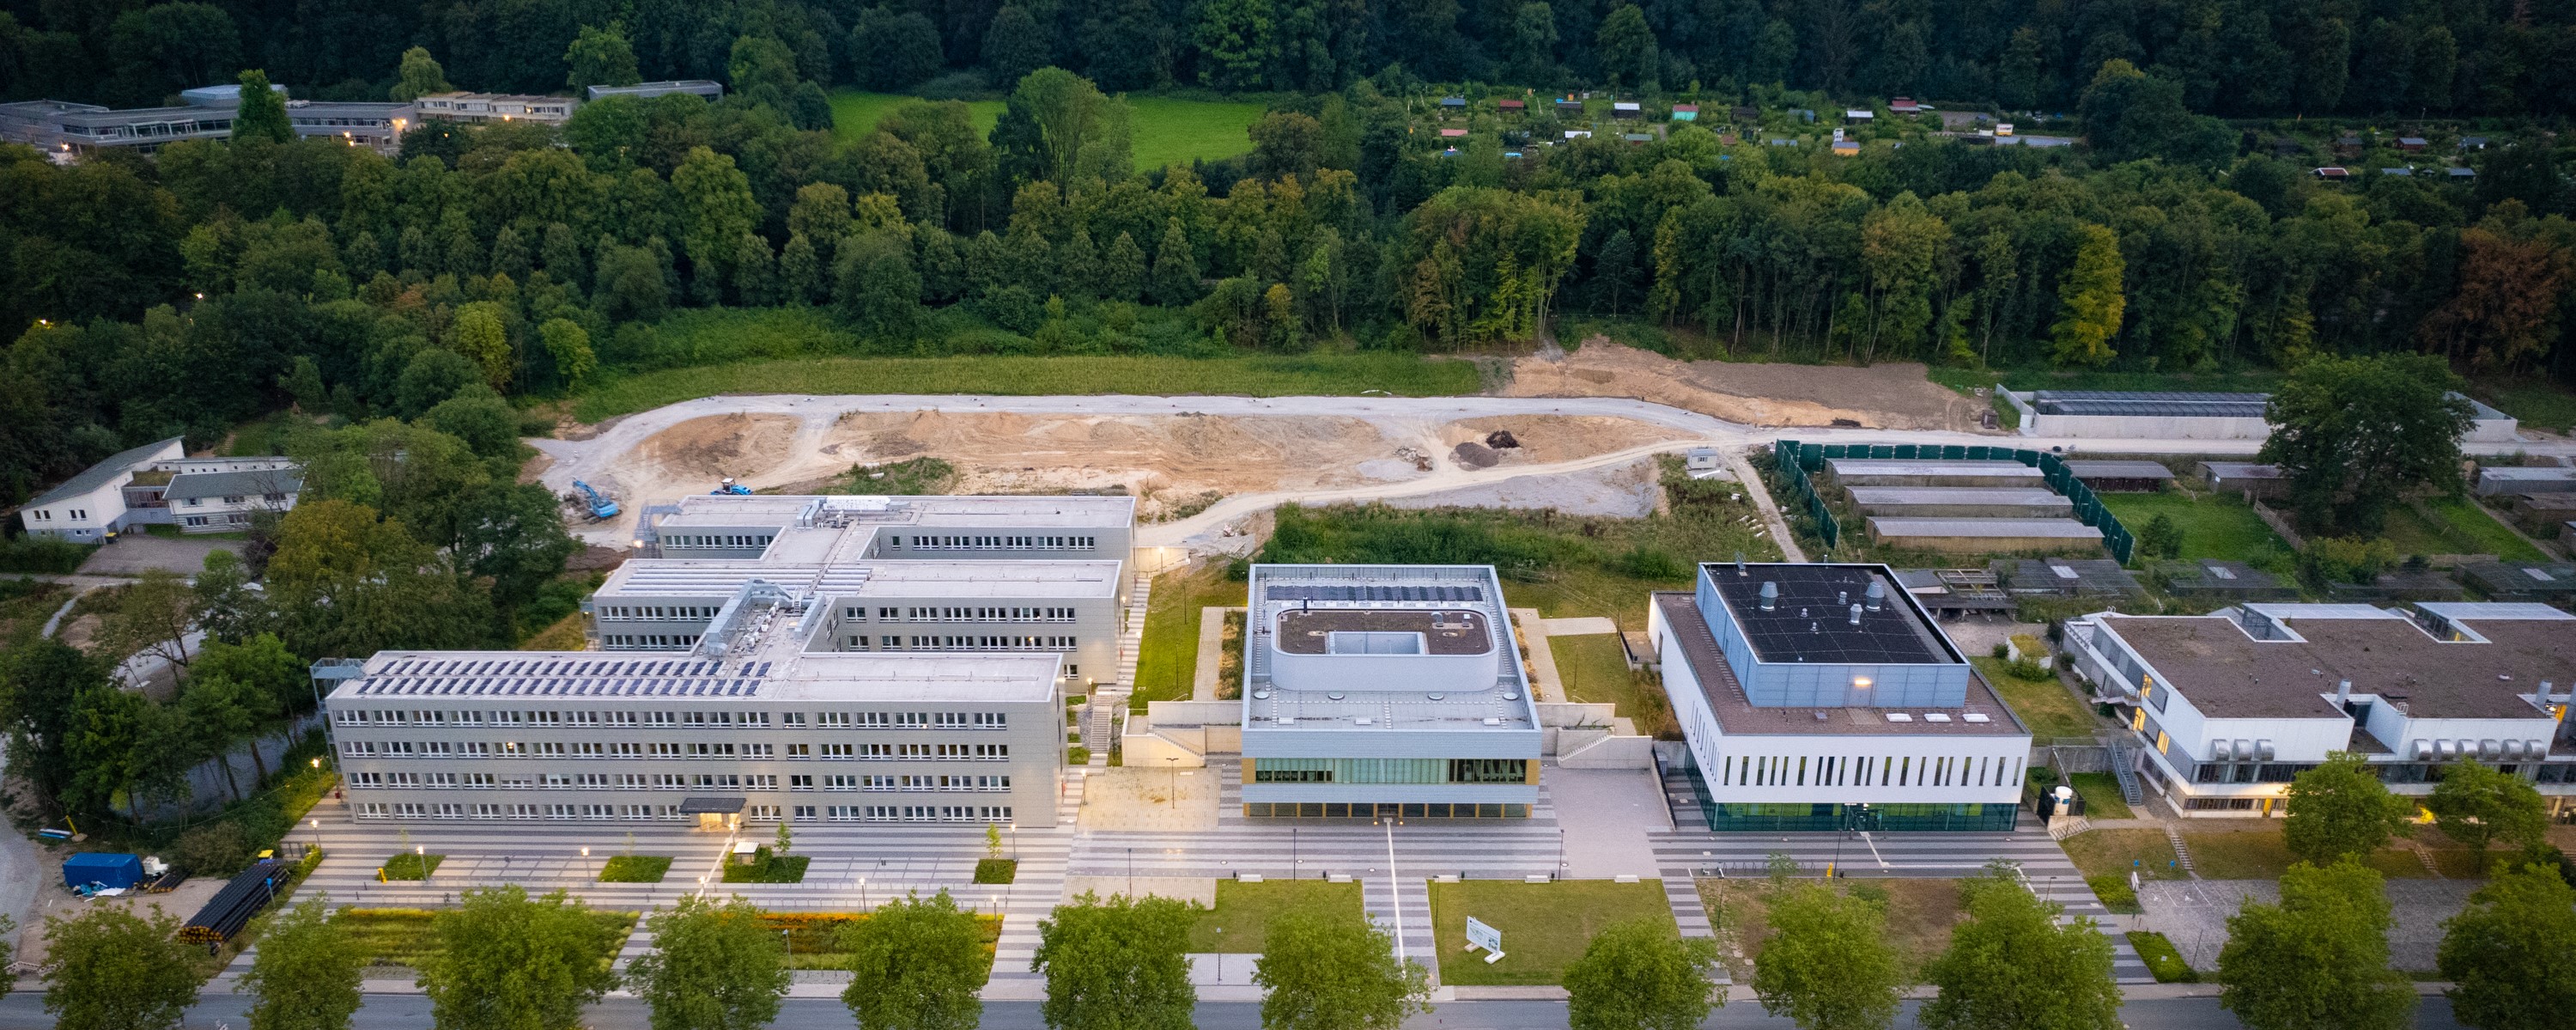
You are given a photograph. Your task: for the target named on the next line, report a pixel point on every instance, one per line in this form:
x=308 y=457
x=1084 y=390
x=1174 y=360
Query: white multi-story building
x=813 y=658
x=1385 y=690
x=1822 y=697
x=157 y=484
x=2230 y=707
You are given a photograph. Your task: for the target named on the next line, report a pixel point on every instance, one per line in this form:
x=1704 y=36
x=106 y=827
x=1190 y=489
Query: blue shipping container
x=102 y=867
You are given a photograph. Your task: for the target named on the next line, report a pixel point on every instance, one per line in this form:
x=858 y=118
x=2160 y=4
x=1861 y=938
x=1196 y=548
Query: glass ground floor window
x=1787 y=818
x=1386 y=809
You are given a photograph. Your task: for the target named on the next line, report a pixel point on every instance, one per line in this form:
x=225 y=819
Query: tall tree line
x=2231 y=57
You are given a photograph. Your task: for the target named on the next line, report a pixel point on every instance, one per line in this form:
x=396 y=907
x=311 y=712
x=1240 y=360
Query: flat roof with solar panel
x=1804 y=613
x=2150 y=403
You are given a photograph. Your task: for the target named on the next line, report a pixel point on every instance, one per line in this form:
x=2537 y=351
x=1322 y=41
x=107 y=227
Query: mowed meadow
x=1167 y=130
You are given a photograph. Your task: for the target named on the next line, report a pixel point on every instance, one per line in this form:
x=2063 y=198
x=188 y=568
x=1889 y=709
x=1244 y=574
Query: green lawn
x=2042 y=378
x=1594 y=668
x=2220 y=527
x=2101 y=794
x=412 y=867
x=2161 y=958
x=1167 y=660
x=2458 y=526
x=2537 y=403
x=1170 y=132
x=635 y=869
x=1166 y=131
x=2111 y=852
x=767 y=868
x=1545 y=926
x=2045 y=705
x=1258 y=376
x=403 y=936
x=2260 y=854
x=1241 y=918
x=855 y=112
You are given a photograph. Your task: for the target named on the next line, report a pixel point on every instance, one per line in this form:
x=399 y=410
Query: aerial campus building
x=841 y=659
x=2229 y=707
x=1823 y=697
x=157 y=484
x=1385 y=690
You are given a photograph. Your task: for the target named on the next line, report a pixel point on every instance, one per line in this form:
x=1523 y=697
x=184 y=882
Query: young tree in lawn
x=2161 y=537
x=2506 y=954
x=1828 y=964
x=1640 y=975
x=2355 y=434
x=713 y=967
x=506 y=960
x=2340 y=809
x=114 y=970
x=2013 y=965
x=916 y=964
x=305 y=975
x=2478 y=805
x=1335 y=972
x=2317 y=959
x=1117 y=964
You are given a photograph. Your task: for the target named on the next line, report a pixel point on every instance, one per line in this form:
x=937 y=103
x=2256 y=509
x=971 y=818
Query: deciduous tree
x=1828 y=964
x=2479 y=805
x=2093 y=303
x=2340 y=810
x=507 y=961
x=305 y=974
x=2013 y=965
x=262 y=114
x=115 y=970
x=2355 y=434
x=1640 y=975
x=601 y=57
x=2317 y=959
x=1335 y=972
x=916 y=964
x=1116 y=964
x=714 y=966
x=2506 y=954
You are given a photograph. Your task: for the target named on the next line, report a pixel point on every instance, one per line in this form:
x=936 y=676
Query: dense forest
x=213 y=282
x=2231 y=57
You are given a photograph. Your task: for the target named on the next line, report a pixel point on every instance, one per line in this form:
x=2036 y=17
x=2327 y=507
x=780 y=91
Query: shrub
x=215 y=849
x=2162 y=959
x=635 y=869
x=996 y=870
x=2346 y=560
x=33 y=554
x=1077 y=755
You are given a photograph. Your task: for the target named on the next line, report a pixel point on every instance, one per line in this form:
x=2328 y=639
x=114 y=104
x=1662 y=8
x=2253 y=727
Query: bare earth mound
x=1175 y=457
x=717 y=446
x=1890 y=396
x=1545 y=439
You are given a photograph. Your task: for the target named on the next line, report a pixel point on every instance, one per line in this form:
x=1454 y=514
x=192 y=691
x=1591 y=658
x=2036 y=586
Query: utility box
x=114 y=870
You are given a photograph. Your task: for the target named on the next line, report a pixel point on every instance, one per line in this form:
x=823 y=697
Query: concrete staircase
x=2125 y=769
x=1131 y=635
x=2182 y=855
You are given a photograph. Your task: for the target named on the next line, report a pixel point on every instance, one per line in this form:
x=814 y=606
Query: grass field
x=1166 y=131
x=2224 y=528
x=1920 y=914
x=1965 y=379
x=2101 y=794
x=2111 y=852
x=635 y=869
x=1545 y=926
x=855 y=112
x=403 y=936
x=2043 y=704
x=412 y=867
x=2535 y=402
x=1261 y=376
x=1167 y=660
x=2161 y=958
x=1241 y=918
x=2456 y=526
x=1594 y=668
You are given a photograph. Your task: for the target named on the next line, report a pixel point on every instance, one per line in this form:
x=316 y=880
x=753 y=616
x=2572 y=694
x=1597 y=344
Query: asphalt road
x=25 y=1009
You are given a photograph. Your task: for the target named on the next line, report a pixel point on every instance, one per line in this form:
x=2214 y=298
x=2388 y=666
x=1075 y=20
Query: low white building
x=1822 y=697
x=2230 y=707
x=157 y=484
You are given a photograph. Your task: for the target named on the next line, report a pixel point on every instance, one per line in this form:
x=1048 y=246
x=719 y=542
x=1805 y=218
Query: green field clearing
x=2535 y=402
x=1165 y=130
x=2101 y=794
x=2456 y=526
x=1594 y=668
x=2111 y=852
x=1257 y=376
x=1168 y=658
x=2213 y=526
x=2044 y=705
x=1965 y=379
x=1920 y=915
x=1241 y=919
x=1545 y=926
x=855 y=112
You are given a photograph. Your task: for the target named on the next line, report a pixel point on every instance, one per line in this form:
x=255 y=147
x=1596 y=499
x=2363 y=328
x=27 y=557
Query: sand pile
x=1892 y=396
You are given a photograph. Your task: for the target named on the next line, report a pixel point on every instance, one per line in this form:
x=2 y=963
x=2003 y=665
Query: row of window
x=648 y=641
x=48 y=516
x=1390 y=770
x=654 y=611
x=755 y=813
x=859 y=613
x=1868 y=771
x=672 y=720
x=192 y=502
x=909 y=813
x=996 y=543
x=670 y=781
x=669 y=749
x=718 y=540
x=862 y=642
x=235 y=519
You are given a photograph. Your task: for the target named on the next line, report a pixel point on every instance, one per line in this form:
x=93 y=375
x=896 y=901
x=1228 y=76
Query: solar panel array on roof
x=594 y=677
x=1303 y=592
x=1810 y=617
x=2150 y=403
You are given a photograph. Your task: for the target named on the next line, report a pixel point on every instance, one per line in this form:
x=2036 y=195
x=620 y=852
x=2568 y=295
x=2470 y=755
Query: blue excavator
x=601 y=508
x=729 y=488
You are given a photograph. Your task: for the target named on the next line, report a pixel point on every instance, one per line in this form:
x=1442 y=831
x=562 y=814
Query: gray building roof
x=2001 y=529
x=2094 y=468
x=1984 y=713
x=2228 y=674
x=102 y=473
x=235 y=484
x=2152 y=403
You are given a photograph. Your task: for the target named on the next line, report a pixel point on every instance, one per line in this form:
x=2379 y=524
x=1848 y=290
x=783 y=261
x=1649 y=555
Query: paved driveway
x=130 y=555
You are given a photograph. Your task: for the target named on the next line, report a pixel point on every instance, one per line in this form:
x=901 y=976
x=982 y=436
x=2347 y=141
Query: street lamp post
x=1171 y=764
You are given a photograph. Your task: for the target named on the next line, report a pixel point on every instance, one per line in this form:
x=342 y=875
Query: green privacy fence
x=1797 y=460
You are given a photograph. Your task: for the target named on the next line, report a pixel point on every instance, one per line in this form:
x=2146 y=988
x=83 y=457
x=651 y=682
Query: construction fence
x=1797 y=461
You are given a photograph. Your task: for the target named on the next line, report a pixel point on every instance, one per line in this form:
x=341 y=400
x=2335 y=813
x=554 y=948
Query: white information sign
x=1480 y=935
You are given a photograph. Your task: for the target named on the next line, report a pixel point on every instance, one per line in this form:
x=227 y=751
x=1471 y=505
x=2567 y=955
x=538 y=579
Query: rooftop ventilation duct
x=1855 y=615
x=1876 y=595
x=2343 y=692
x=1770 y=595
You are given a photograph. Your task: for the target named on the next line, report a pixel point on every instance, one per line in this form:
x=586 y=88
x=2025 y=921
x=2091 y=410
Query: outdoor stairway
x=2131 y=790
x=2182 y=855
x=1131 y=635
